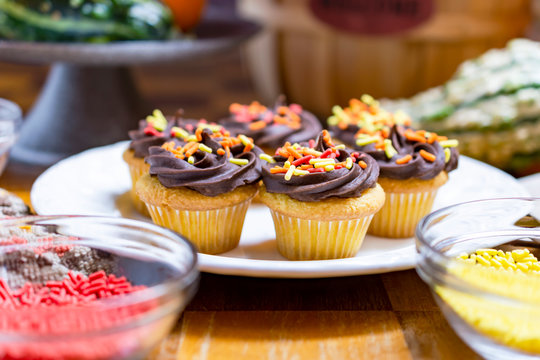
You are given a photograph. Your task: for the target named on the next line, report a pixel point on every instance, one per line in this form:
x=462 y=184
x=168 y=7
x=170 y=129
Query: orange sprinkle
x=432 y=137
x=228 y=152
x=404 y=159
x=441 y=138
x=257 y=125
x=290 y=158
x=362 y=164
x=305 y=167
x=282 y=152
x=282 y=110
x=412 y=136
x=220 y=152
x=277 y=170
x=385 y=132
x=198 y=133
x=380 y=145
x=293 y=152
x=421 y=133
x=248 y=147
x=281 y=120
x=427 y=155
x=235 y=107
x=342 y=125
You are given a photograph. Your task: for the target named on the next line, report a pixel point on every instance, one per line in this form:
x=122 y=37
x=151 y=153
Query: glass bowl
x=10 y=122
x=494 y=311
x=87 y=287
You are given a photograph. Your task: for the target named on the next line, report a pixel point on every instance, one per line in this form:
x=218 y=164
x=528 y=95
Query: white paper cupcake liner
x=301 y=239
x=211 y=231
x=401 y=213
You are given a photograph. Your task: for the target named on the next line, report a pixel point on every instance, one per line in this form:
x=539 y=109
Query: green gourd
x=84 y=20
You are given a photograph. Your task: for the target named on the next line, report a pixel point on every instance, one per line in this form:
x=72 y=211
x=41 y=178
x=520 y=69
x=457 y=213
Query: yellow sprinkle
x=289 y=173
x=447 y=155
x=365 y=141
x=486 y=251
x=495 y=263
x=267 y=158
x=369 y=100
x=333 y=120
x=463 y=256
x=287 y=164
x=191 y=160
x=523 y=267
x=482 y=261
x=449 y=143
x=191 y=138
x=323 y=164
x=349 y=163
x=244 y=139
x=315 y=161
x=25 y=227
x=239 y=161
x=179 y=132
x=298 y=172
x=340 y=113
x=389 y=149
x=205 y=148
x=519 y=254
x=329 y=167
x=340 y=146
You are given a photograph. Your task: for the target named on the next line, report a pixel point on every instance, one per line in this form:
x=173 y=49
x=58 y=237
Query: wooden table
x=386 y=316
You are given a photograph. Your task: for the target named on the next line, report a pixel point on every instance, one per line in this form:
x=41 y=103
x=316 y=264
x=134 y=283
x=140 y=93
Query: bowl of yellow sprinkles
x=481 y=261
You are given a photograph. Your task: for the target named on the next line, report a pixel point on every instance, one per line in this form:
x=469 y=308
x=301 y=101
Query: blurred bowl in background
x=48 y=310
x=10 y=122
x=493 y=308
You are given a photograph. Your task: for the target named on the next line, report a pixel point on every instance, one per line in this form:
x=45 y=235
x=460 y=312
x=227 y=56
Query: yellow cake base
x=407 y=201
x=329 y=229
x=137 y=168
x=212 y=224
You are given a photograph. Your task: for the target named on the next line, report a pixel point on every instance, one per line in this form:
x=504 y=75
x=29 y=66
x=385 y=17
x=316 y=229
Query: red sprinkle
x=326 y=153
x=315 y=170
x=149 y=130
x=303 y=160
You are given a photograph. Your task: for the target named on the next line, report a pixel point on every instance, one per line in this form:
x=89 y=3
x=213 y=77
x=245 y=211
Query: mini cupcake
x=413 y=164
x=322 y=198
x=201 y=187
x=154 y=131
x=272 y=127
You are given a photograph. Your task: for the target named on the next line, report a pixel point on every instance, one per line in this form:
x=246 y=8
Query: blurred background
x=317 y=55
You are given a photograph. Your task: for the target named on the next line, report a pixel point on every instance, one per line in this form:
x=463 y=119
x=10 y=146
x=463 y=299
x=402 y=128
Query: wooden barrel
x=319 y=65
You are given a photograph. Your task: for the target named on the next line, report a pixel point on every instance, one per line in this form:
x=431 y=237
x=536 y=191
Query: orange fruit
x=187 y=13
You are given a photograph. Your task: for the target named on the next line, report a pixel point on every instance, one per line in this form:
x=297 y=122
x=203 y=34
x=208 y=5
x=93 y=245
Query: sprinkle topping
x=194 y=146
x=260 y=116
x=302 y=160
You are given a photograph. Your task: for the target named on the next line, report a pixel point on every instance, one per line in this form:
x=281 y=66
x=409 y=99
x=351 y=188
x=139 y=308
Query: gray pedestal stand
x=89 y=98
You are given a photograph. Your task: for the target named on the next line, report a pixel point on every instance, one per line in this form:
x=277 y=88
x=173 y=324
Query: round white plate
x=97 y=181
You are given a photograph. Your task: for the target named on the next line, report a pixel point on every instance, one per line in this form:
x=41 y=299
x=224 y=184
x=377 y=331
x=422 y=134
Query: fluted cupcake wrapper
x=301 y=239
x=136 y=171
x=401 y=213
x=211 y=231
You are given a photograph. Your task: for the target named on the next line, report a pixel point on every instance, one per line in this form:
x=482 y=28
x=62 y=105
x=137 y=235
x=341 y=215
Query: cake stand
x=90 y=98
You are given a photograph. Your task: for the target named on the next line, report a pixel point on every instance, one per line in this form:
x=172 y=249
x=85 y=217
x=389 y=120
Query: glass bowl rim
x=169 y=287
x=439 y=274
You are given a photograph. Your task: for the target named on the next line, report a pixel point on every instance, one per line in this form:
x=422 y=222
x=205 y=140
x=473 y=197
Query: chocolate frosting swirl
x=341 y=183
x=274 y=135
x=211 y=174
x=417 y=167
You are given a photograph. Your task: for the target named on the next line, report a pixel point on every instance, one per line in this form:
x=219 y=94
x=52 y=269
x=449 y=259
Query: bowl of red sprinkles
x=85 y=287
